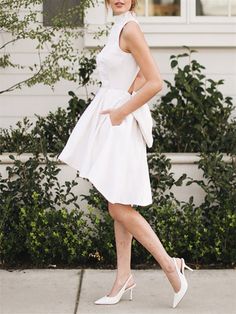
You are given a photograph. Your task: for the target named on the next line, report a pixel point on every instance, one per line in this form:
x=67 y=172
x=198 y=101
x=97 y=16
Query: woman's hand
x=116 y=116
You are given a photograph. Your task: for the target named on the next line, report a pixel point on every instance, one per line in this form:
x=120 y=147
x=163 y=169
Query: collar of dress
x=120 y=17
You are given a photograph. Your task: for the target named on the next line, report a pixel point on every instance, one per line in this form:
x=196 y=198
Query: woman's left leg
x=123 y=251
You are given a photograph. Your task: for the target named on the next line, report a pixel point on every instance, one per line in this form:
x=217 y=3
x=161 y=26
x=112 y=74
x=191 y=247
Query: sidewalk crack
x=79 y=290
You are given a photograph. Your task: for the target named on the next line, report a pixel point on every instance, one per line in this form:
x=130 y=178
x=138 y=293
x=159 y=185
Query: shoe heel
x=188 y=267
x=131 y=294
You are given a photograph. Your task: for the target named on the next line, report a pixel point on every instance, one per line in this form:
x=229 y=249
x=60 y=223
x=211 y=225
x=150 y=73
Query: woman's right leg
x=123 y=241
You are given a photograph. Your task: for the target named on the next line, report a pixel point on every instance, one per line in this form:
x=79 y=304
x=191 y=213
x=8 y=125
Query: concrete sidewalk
x=73 y=291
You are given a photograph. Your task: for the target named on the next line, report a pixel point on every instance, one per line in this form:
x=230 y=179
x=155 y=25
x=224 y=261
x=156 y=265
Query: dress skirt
x=112 y=158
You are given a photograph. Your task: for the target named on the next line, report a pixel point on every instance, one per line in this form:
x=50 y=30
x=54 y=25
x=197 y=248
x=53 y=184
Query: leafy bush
x=29 y=187
x=219 y=207
x=203 y=234
x=102 y=251
x=48 y=135
x=193 y=116
x=53 y=237
x=36 y=228
x=161 y=178
x=180 y=228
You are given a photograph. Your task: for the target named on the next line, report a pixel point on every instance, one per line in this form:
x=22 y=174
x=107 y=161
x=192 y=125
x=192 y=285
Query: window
x=215 y=7
x=213 y=11
x=174 y=23
x=64 y=9
x=158 y=8
x=164 y=11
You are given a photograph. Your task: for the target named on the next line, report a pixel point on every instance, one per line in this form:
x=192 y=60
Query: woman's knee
x=113 y=211
x=116 y=211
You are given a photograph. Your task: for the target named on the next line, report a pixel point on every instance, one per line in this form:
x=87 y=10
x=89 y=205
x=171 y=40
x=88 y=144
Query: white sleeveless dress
x=113 y=158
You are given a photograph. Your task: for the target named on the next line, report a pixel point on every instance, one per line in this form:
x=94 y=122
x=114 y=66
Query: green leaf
x=173 y=63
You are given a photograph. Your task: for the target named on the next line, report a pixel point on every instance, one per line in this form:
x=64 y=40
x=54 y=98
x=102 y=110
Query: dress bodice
x=117 y=68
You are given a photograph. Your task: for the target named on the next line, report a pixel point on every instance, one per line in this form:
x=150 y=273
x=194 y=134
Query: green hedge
x=37 y=229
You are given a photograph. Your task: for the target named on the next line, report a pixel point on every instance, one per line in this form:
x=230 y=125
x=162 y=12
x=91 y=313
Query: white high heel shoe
x=115 y=299
x=184 y=285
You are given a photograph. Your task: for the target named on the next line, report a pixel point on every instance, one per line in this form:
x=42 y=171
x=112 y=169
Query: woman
x=108 y=146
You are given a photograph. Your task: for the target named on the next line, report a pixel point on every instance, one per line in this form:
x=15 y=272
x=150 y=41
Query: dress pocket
x=109 y=121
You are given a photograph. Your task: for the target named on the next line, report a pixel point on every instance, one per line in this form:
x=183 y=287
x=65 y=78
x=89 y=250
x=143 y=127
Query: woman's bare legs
x=135 y=224
x=123 y=251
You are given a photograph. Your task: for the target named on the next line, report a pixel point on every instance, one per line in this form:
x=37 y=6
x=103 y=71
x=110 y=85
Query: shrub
x=48 y=135
x=219 y=207
x=161 y=178
x=193 y=116
x=38 y=229
x=53 y=236
x=180 y=228
x=29 y=188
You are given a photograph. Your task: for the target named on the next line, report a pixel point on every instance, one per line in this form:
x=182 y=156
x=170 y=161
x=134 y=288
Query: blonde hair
x=133 y=4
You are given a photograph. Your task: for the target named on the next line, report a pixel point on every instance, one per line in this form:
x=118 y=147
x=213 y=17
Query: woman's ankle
x=122 y=277
x=169 y=266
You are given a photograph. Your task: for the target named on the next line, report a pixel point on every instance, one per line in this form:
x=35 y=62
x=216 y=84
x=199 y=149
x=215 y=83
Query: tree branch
x=18 y=85
x=9 y=42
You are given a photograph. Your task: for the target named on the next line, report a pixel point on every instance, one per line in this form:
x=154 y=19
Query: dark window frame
x=58 y=7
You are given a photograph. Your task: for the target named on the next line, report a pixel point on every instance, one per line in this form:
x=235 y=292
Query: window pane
x=233 y=7
x=164 y=7
x=159 y=7
x=63 y=9
x=140 y=10
x=212 y=7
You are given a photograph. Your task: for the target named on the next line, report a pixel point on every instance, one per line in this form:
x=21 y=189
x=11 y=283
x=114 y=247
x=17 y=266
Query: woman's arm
x=136 y=44
x=138 y=82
